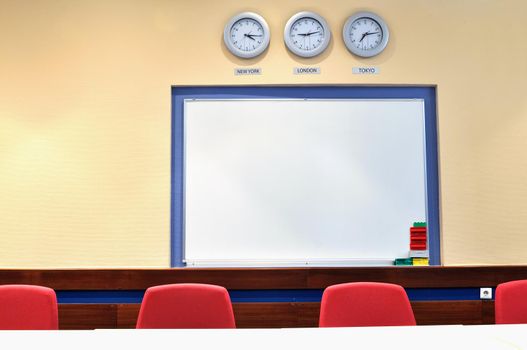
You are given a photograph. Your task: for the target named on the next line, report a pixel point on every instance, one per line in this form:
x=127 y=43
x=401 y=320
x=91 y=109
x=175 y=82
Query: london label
x=306 y=70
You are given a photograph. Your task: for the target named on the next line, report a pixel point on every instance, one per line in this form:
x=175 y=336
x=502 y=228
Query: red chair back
x=25 y=307
x=186 y=306
x=511 y=302
x=365 y=304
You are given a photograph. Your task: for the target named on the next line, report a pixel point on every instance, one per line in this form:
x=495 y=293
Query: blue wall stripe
x=260 y=296
x=179 y=94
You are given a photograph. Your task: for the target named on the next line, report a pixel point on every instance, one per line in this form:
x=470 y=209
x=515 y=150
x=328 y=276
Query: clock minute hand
x=254 y=35
x=311 y=33
x=249 y=36
x=308 y=33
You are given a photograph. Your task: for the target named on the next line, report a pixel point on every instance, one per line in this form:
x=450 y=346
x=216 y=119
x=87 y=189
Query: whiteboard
x=302 y=182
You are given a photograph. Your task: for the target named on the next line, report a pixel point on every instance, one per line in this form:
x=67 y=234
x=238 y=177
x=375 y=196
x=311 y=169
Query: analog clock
x=246 y=35
x=365 y=34
x=307 y=34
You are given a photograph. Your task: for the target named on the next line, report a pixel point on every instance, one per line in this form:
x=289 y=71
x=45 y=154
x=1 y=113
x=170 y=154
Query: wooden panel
x=127 y=315
x=419 y=277
x=265 y=315
x=247 y=315
x=308 y=314
x=274 y=315
x=448 y=312
x=87 y=316
x=266 y=278
x=487 y=311
x=90 y=316
x=139 y=279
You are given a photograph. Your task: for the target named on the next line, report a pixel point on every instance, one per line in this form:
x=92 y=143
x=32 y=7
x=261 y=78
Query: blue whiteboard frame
x=180 y=93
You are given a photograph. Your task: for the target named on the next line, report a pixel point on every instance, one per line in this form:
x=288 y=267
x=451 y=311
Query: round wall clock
x=246 y=35
x=365 y=34
x=307 y=34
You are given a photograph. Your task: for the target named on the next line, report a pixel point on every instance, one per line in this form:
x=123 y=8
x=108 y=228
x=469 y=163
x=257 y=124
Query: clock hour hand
x=249 y=36
x=363 y=36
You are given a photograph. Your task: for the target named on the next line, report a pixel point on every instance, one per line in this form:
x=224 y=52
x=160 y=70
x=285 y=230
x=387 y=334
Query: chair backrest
x=27 y=307
x=365 y=304
x=186 y=305
x=511 y=302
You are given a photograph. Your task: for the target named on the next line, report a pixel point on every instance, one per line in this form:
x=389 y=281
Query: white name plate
x=248 y=71
x=306 y=70
x=365 y=70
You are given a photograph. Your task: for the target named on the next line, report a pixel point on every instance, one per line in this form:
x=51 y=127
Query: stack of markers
x=418 y=244
x=418 y=236
x=418 y=247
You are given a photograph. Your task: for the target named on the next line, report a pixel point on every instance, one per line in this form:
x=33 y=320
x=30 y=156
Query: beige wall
x=85 y=116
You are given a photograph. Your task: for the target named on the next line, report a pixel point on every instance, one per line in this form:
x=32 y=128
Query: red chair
x=186 y=306
x=365 y=304
x=25 y=307
x=511 y=302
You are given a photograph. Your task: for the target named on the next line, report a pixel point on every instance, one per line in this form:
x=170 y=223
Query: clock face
x=307 y=34
x=246 y=35
x=365 y=34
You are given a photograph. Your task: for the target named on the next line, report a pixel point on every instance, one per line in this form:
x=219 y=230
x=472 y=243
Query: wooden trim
x=265 y=278
x=420 y=277
x=127 y=315
x=487 y=312
x=274 y=315
x=87 y=316
x=467 y=312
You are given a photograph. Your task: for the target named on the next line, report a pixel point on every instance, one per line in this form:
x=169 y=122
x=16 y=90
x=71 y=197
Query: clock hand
x=253 y=35
x=363 y=36
x=366 y=34
x=308 y=33
x=311 y=33
x=249 y=36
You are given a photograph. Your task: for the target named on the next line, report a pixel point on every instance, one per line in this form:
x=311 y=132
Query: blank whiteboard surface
x=288 y=182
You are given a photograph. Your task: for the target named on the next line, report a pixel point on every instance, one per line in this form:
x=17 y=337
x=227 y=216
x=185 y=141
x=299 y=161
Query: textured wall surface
x=85 y=116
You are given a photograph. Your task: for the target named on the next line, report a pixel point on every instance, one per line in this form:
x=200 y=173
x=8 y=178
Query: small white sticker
x=365 y=70
x=306 y=70
x=485 y=293
x=248 y=71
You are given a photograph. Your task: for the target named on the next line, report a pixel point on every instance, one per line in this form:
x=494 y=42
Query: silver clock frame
x=365 y=53
x=302 y=53
x=247 y=54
